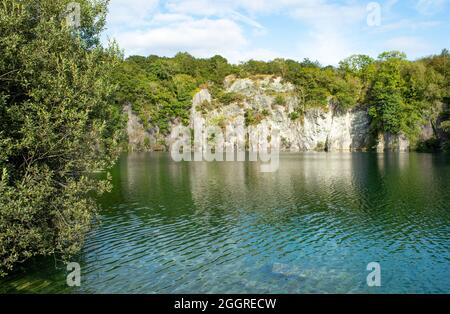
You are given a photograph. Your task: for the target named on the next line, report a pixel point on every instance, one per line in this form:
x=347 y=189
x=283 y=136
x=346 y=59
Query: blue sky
x=239 y=30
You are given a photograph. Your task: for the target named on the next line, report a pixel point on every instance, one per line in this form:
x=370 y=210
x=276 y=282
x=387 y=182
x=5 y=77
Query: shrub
x=228 y=98
x=58 y=125
x=430 y=145
x=219 y=121
x=294 y=115
x=253 y=117
x=279 y=100
x=265 y=112
x=446 y=126
x=205 y=107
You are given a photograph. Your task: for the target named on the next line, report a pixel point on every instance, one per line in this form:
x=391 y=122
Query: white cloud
x=331 y=26
x=170 y=18
x=407 y=24
x=203 y=38
x=243 y=54
x=218 y=8
x=327 y=46
x=429 y=7
x=197 y=7
x=245 y=19
x=204 y=28
x=319 y=13
x=129 y=13
x=412 y=45
x=389 y=5
x=326 y=30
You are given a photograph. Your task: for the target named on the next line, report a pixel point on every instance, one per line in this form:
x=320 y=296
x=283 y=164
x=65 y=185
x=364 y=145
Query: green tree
x=386 y=94
x=355 y=63
x=346 y=91
x=219 y=68
x=401 y=95
x=389 y=55
x=58 y=125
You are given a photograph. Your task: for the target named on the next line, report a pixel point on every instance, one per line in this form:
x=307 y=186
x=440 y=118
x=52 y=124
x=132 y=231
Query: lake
x=225 y=227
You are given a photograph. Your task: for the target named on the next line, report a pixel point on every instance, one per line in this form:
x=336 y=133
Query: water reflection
x=312 y=226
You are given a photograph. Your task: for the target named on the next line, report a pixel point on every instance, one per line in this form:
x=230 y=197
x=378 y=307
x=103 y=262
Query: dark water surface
x=311 y=227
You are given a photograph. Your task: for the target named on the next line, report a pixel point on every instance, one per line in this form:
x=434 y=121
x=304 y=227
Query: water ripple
x=311 y=227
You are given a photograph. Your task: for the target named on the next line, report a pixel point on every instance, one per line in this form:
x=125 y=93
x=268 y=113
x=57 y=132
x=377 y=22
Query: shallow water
x=311 y=227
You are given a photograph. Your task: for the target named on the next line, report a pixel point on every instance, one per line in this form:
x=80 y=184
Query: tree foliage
x=160 y=89
x=400 y=94
x=57 y=126
x=403 y=95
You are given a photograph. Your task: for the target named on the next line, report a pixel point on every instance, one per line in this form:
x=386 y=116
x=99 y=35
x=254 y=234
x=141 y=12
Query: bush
x=205 y=107
x=446 y=126
x=228 y=98
x=280 y=100
x=58 y=125
x=430 y=145
x=294 y=115
x=253 y=117
x=265 y=112
x=219 y=121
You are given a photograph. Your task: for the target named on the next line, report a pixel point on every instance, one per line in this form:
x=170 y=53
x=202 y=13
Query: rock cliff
x=318 y=129
x=267 y=100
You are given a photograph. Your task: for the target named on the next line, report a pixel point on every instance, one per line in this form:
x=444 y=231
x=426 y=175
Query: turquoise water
x=225 y=227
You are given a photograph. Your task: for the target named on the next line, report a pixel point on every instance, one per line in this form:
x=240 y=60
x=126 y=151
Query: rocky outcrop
x=267 y=101
x=390 y=142
x=319 y=129
x=140 y=138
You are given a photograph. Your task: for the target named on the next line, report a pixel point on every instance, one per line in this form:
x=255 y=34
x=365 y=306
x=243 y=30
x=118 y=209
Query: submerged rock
x=286 y=270
x=318 y=279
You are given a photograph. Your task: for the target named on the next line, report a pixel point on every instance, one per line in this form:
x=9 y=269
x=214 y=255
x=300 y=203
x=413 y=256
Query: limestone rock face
x=259 y=85
x=318 y=129
x=137 y=135
x=273 y=105
x=140 y=138
x=390 y=142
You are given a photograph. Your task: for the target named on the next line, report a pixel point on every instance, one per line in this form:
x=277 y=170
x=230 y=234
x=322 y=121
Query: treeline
x=400 y=95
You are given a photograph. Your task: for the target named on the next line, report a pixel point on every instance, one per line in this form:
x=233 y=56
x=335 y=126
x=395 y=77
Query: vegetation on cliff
x=401 y=95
